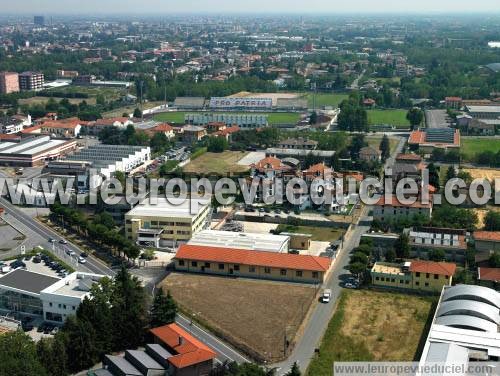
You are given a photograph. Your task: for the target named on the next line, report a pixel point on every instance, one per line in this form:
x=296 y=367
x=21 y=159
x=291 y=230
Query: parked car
x=349 y=285
x=37 y=260
x=17 y=264
x=326 y=296
x=52 y=240
x=83 y=254
x=69 y=252
x=63 y=241
x=81 y=260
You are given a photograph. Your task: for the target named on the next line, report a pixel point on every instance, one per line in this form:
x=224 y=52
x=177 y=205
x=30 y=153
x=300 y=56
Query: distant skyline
x=158 y=7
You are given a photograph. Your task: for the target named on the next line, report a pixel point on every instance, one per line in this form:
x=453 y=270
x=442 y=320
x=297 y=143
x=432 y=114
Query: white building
x=62 y=298
x=40 y=295
x=239 y=240
x=465 y=327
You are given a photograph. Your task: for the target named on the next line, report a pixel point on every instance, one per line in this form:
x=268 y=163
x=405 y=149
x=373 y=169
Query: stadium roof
x=240 y=240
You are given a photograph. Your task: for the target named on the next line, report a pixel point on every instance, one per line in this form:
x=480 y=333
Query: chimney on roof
x=181 y=340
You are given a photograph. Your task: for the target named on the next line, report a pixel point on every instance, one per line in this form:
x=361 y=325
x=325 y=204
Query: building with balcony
x=167 y=222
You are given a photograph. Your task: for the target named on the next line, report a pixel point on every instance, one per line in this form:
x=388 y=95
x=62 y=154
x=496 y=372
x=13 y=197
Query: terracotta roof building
x=251 y=263
x=188 y=353
x=486 y=241
x=429 y=139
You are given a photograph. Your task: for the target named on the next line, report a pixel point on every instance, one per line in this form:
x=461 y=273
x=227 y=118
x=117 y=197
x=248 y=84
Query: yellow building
x=418 y=275
x=167 y=222
x=251 y=263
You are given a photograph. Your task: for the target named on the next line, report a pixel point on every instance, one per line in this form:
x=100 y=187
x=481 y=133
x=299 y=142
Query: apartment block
x=9 y=82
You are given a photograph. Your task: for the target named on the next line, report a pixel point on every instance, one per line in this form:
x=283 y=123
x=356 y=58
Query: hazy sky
x=242 y=6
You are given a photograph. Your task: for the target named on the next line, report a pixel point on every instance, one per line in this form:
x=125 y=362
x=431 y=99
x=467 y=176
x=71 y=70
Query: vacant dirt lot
x=217 y=163
x=251 y=314
x=373 y=326
x=483 y=173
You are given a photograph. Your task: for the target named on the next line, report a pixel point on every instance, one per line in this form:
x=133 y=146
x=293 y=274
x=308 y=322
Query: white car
x=81 y=260
x=69 y=252
x=327 y=296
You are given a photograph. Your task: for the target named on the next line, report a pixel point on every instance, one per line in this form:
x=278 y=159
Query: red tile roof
x=432 y=267
x=270 y=163
x=227 y=131
x=417 y=137
x=189 y=350
x=409 y=157
x=493 y=236
x=394 y=202
x=489 y=274
x=253 y=258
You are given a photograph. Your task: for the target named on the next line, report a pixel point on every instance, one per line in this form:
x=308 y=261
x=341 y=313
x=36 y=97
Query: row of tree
x=101 y=230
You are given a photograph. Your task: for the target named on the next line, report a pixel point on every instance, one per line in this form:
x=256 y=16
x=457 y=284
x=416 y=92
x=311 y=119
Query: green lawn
x=391 y=117
x=472 y=146
x=374 y=142
x=273 y=117
x=326 y=99
x=321 y=234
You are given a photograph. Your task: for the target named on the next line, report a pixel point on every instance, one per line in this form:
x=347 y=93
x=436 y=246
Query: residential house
x=392 y=209
x=369 y=154
x=298 y=144
x=489 y=277
x=419 y=275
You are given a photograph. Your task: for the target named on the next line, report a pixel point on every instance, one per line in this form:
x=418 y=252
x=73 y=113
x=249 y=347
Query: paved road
x=355 y=83
x=38 y=234
x=322 y=313
x=436 y=119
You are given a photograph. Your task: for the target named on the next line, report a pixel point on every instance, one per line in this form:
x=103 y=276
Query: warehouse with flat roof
x=34 y=151
x=240 y=240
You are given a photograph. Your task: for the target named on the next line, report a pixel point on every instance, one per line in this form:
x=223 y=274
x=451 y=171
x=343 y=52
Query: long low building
x=464 y=328
x=34 y=151
x=104 y=159
x=251 y=263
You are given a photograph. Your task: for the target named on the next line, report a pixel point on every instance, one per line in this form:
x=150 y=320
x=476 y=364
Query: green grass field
x=274 y=118
x=373 y=326
x=321 y=234
x=391 y=117
x=326 y=99
x=472 y=146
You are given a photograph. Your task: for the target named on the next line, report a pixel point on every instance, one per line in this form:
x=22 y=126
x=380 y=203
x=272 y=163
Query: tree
x=80 y=339
x=402 y=246
x=434 y=178
x=390 y=255
x=385 y=147
x=217 y=144
x=437 y=255
x=415 y=116
x=137 y=113
x=18 y=356
x=357 y=143
x=492 y=221
x=128 y=308
x=159 y=142
x=494 y=260
x=451 y=173
x=357 y=268
x=359 y=257
x=313 y=119
x=294 y=371
x=164 y=309
x=52 y=355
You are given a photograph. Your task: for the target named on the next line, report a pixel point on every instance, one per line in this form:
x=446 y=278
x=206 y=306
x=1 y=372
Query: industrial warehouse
x=34 y=151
